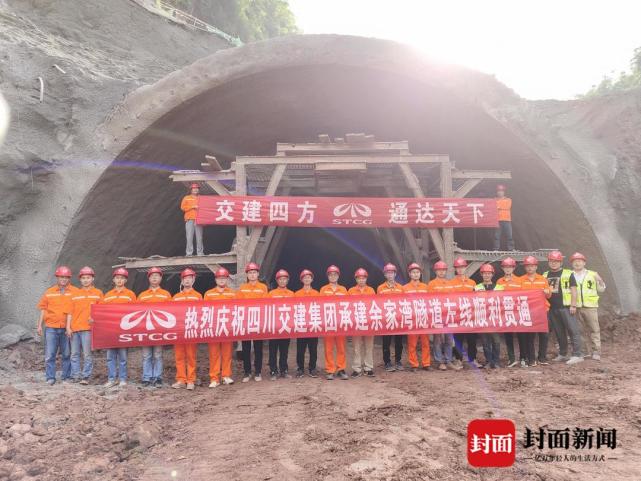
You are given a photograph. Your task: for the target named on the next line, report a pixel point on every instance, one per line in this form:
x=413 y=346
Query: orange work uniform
x=154 y=295
x=220 y=353
x=119 y=296
x=185 y=354
x=439 y=285
x=57 y=306
x=512 y=284
x=538 y=282
x=82 y=299
x=462 y=284
x=414 y=287
x=334 y=364
x=504 y=206
x=188 y=206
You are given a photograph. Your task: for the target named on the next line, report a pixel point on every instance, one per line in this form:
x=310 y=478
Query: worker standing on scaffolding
x=189 y=206
x=252 y=289
x=504 y=206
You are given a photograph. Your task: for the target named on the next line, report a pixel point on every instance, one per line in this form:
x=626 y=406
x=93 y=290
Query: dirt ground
x=398 y=426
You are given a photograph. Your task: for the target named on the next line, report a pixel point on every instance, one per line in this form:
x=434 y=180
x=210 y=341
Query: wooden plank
x=481 y=174
x=333 y=166
x=467 y=187
x=198 y=176
x=315 y=159
x=415 y=186
x=277 y=175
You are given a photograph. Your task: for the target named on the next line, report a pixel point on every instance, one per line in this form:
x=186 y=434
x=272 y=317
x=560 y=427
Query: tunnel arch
x=242 y=101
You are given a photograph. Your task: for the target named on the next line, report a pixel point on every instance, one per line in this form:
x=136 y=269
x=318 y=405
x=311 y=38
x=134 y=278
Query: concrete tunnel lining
x=248 y=114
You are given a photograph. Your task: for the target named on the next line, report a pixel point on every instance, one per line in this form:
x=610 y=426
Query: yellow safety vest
x=587 y=294
x=497 y=287
x=565 y=285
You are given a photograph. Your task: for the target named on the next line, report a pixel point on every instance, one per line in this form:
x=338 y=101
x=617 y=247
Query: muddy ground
x=398 y=426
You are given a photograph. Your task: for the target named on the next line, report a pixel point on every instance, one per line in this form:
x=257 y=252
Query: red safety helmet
x=530 y=261
x=487 y=268
x=501 y=187
x=389 y=268
x=154 y=270
x=221 y=272
x=282 y=273
x=252 y=266
x=413 y=266
x=360 y=272
x=305 y=272
x=86 y=271
x=333 y=268
x=508 y=262
x=63 y=271
x=555 y=256
x=194 y=186
x=460 y=262
x=578 y=255
x=187 y=272
x=440 y=266
x=120 y=271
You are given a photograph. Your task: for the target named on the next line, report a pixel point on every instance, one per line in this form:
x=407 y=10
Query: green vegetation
x=625 y=81
x=251 y=20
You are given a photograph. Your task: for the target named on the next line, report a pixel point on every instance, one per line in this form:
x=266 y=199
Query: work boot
x=399 y=366
x=299 y=373
x=158 y=383
x=574 y=360
x=389 y=367
x=313 y=373
x=342 y=375
x=178 y=385
x=356 y=373
x=329 y=376
x=144 y=383
x=369 y=373
x=227 y=381
x=273 y=375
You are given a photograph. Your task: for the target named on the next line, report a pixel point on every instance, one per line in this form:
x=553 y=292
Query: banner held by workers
x=129 y=325
x=347 y=212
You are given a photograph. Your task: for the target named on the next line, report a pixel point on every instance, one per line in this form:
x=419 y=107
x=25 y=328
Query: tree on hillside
x=251 y=20
x=625 y=81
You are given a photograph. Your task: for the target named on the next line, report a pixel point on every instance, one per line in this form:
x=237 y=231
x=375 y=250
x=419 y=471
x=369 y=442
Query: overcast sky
x=541 y=49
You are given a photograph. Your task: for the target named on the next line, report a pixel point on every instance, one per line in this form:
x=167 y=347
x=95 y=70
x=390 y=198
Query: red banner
x=427 y=213
x=128 y=325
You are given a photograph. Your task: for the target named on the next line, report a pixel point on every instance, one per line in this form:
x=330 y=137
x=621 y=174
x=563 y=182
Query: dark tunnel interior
x=133 y=210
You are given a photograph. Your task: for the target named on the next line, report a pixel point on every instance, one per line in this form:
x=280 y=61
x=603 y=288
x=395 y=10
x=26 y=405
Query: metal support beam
x=448 y=233
x=323 y=159
x=481 y=174
x=467 y=187
x=241 y=231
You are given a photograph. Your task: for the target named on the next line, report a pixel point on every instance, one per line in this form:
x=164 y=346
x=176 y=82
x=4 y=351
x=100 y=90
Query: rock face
x=13 y=333
x=104 y=192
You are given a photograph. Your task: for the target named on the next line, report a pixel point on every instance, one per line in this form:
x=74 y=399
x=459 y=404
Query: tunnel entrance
x=133 y=211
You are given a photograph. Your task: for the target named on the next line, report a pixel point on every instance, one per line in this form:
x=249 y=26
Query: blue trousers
x=56 y=340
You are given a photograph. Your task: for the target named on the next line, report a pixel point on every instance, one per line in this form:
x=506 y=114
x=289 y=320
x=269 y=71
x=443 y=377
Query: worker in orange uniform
x=511 y=282
x=415 y=286
x=185 y=354
x=363 y=359
x=390 y=286
x=79 y=326
x=189 y=206
x=310 y=343
x=117 y=357
x=504 y=206
x=252 y=289
x=462 y=283
x=443 y=343
x=56 y=307
x=533 y=281
x=220 y=353
x=279 y=348
x=334 y=366
x=152 y=355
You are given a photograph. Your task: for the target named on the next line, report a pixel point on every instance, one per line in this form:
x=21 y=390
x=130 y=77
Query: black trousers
x=310 y=343
x=509 y=344
x=470 y=339
x=543 y=342
x=278 y=348
x=258 y=356
x=398 y=348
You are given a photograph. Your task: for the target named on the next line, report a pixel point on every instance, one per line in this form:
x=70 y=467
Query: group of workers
x=572 y=301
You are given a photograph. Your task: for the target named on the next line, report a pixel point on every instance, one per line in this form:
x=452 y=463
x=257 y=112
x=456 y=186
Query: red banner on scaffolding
x=129 y=325
x=427 y=213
